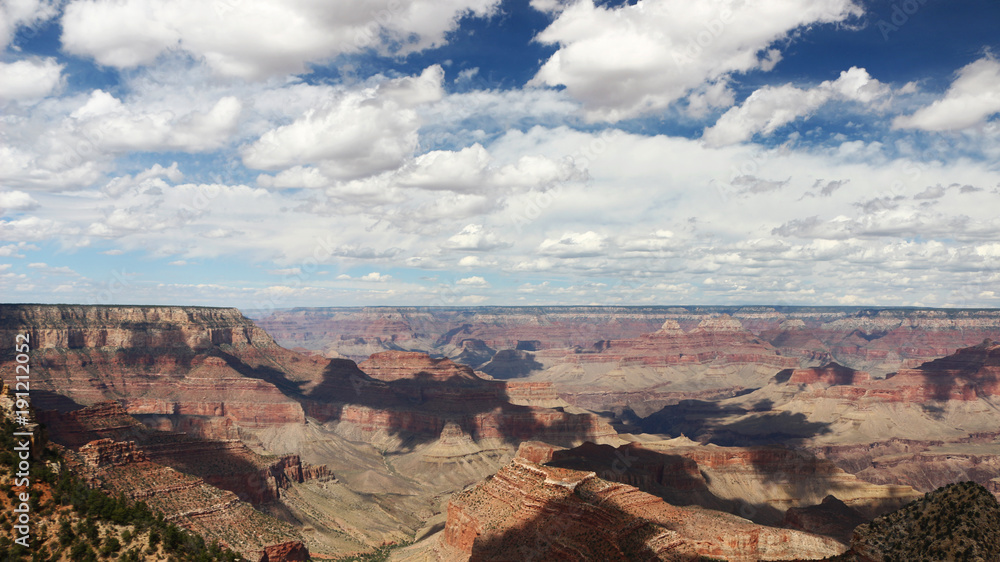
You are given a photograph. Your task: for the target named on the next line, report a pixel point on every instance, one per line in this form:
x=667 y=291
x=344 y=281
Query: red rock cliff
x=528 y=511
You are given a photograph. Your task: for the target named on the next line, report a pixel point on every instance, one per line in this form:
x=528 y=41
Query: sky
x=266 y=154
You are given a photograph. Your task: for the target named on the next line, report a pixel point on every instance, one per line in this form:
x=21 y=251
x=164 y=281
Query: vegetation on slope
x=955 y=522
x=71 y=521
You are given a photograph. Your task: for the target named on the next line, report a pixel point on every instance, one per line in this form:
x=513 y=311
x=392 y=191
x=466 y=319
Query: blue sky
x=266 y=154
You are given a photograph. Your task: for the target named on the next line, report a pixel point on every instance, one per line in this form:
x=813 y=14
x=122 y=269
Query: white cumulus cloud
x=970 y=100
x=475 y=238
x=354 y=135
x=16 y=201
x=574 y=245
x=29 y=79
x=625 y=61
x=773 y=106
x=475 y=281
x=255 y=39
x=109 y=124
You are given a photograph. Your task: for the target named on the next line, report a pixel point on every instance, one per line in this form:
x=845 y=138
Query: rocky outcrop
x=830 y=374
x=536 y=452
x=956 y=522
x=293 y=551
x=107 y=452
x=472 y=352
x=391 y=366
x=541 y=394
x=187 y=362
x=203 y=486
x=195 y=505
x=105 y=434
x=529 y=511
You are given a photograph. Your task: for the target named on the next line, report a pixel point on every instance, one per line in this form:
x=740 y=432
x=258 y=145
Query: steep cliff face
x=831 y=374
x=131 y=327
x=123 y=468
x=105 y=434
x=155 y=360
x=968 y=374
x=293 y=551
x=529 y=511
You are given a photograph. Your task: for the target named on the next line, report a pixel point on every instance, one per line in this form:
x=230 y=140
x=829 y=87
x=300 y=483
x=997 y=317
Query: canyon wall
x=532 y=511
x=873 y=339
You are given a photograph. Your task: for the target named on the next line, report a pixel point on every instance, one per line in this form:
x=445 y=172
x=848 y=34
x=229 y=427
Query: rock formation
x=537 y=512
x=925 y=427
x=758 y=483
x=719 y=357
x=106 y=434
x=122 y=468
x=216 y=396
x=187 y=362
x=293 y=551
x=956 y=522
x=207 y=382
x=676 y=353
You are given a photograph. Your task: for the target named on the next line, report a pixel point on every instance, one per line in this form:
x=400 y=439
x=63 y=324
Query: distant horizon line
x=518 y=306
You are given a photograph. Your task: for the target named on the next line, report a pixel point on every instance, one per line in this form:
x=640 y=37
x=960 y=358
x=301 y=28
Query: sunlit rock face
x=529 y=510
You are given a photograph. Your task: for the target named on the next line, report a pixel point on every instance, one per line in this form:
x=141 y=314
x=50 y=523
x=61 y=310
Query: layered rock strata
x=395 y=392
x=120 y=468
x=105 y=434
x=876 y=340
x=530 y=511
x=759 y=483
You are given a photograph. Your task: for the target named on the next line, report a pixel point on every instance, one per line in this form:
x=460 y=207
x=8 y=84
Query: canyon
x=144 y=396
x=643 y=358
x=583 y=432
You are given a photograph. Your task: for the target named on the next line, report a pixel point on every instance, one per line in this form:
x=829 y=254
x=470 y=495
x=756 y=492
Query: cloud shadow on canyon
x=708 y=422
x=416 y=409
x=225 y=465
x=553 y=529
